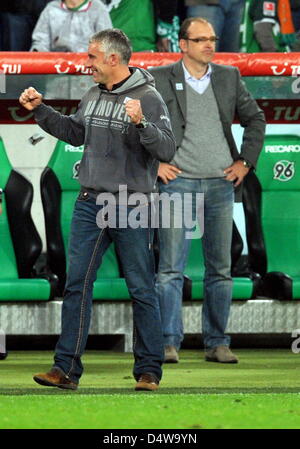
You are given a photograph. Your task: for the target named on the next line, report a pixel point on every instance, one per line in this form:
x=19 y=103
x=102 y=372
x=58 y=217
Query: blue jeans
x=225 y=18
x=174 y=249
x=87 y=245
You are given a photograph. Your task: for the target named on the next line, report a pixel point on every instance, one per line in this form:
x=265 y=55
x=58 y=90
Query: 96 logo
x=76 y=170
x=284 y=170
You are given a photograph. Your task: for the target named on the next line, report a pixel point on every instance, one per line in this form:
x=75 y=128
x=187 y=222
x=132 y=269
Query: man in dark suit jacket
x=203 y=99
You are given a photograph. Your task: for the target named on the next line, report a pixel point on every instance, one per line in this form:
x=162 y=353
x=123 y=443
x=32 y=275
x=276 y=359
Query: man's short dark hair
x=183 y=32
x=114 y=40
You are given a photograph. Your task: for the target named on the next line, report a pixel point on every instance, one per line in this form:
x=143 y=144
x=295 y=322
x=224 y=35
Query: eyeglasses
x=213 y=39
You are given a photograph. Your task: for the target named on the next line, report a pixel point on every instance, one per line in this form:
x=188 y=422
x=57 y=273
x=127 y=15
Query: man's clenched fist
x=134 y=110
x=30 y=98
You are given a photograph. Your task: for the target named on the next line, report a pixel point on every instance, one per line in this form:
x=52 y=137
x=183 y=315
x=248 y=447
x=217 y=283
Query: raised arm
x=70 y=129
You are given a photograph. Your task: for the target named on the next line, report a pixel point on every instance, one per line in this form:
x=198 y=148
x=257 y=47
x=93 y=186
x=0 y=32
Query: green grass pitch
x=261 y=392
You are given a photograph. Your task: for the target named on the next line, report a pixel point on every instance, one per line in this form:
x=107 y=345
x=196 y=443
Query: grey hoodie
x=116 y=151
x=61 y=29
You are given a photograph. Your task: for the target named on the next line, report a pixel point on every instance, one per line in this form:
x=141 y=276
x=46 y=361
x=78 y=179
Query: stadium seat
x=272 y=214
x=59 y=189
x=20 y=244
x=245 y=285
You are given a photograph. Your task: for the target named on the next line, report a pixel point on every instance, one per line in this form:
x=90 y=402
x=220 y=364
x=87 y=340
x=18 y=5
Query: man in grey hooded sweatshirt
x=125 y=128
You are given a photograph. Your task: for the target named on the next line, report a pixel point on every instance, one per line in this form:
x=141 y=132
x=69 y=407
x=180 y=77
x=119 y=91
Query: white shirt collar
x=189 y=77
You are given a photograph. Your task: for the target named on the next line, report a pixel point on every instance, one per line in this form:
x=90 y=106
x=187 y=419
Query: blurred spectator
x=224 y=15
x=167 y=26
x=67 y=25
x=17 y=20
x=264 y=18
x=295 y=7
x=136 y=19
x=287 y=29
x=150 y=24
x=265 y=15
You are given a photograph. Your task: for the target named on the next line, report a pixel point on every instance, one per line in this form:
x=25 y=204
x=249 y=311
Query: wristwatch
x=246 y=163
x=143 y=123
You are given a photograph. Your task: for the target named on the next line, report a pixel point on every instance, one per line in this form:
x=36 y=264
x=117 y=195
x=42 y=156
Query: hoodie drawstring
x=91 y=118
x=108 y=147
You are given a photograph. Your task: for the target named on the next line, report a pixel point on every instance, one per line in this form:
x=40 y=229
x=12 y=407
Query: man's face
x=98 y=63
x=202 y=52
